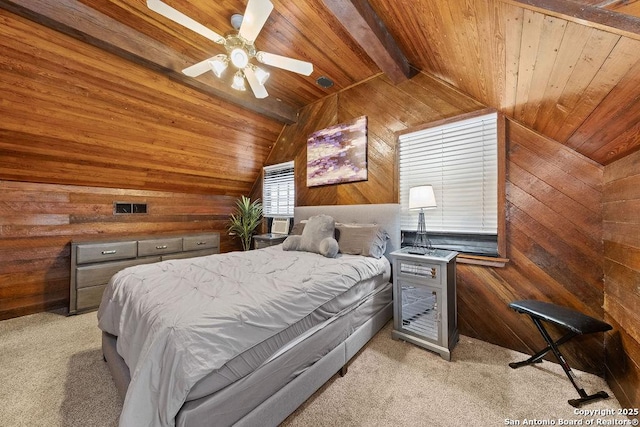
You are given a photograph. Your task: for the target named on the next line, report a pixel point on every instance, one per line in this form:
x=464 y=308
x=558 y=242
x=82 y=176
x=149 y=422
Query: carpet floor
x=52 y=374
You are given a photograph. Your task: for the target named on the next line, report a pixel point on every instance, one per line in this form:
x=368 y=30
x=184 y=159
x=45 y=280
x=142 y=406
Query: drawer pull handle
x=201 y=243
x=161 y=247
x=109 y=252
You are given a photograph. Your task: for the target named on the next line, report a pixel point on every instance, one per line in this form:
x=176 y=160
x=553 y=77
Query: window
x=278 y=190
x=463 y=159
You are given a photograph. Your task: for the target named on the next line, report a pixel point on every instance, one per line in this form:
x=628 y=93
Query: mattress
x=238 y=399
x=253 y=357
x=231 y=311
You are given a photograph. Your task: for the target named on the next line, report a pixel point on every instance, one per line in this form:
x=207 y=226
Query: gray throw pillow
x=297 y=228
x=317 y=237
x=291 y=243
x=367 y=240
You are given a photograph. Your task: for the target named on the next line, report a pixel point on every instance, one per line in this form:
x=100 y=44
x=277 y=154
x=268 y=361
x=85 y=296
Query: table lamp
x=421 y=197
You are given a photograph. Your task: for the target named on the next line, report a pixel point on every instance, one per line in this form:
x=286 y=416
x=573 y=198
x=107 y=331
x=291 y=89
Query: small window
x=463 y=159
x=278 y=190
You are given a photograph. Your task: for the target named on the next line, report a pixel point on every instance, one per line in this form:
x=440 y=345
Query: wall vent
x=129 y=208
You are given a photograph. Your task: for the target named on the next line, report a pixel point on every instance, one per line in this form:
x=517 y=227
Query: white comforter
x=178 y=320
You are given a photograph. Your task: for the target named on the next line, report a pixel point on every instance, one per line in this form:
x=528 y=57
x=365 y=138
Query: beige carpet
x=52 y=374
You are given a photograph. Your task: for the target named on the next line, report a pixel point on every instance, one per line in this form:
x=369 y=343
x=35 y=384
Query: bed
x=272 y=363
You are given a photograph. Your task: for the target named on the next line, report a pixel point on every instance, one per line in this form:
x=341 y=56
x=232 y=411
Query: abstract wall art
x=338 y=154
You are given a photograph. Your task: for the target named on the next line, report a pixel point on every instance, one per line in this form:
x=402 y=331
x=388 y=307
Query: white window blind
x=460 y=160
x=278 y=190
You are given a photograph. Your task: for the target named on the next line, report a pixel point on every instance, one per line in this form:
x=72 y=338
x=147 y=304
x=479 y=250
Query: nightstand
x=270 y=239
x=424 y=299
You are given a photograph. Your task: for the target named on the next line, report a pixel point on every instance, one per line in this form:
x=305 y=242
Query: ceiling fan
x=239 y=46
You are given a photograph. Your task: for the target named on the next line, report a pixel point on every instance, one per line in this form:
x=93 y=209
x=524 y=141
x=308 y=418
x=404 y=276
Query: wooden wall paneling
x=569 y=51
x=620 y=102
x=553 y=255
x=493 y=33
x=625 y=6
x=622 y=276
x=561 y=266
x=554 y=226
x=65 y=101
x=38 y=222
x=559 y=75
x=557 y=67
x=514 y=17
x=583 y=90
x=389 y=109
x=623 y=369
x=549 y=34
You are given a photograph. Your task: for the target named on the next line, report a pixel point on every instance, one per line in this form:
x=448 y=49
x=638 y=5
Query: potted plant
x=245 y=219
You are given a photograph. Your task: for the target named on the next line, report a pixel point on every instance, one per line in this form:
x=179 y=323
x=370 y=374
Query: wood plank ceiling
x=569 y=70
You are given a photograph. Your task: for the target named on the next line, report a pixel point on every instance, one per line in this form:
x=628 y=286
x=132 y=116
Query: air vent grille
x=120 y=208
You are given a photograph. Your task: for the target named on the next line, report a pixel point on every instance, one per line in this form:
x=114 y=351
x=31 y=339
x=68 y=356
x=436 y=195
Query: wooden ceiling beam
x=366 y=27
x=77 y=20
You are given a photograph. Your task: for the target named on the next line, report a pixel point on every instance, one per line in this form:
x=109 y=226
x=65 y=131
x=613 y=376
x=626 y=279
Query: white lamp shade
x=422 y=197
x=238 y=81
x=219 y=64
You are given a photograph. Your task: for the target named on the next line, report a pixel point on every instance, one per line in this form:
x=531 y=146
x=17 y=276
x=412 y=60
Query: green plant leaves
x=245 y=219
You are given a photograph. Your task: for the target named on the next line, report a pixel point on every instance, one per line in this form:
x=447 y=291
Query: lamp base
x=421 y=244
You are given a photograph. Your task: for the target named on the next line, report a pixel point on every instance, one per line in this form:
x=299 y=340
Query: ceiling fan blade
x=182 y=19
x=197 y=69
x=290 y=64
x=255 y=16
x=258 y=89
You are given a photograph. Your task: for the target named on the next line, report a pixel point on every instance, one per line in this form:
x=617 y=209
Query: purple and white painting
x=338 y=154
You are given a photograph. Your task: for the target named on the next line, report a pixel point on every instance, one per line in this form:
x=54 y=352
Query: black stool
x=575 y=322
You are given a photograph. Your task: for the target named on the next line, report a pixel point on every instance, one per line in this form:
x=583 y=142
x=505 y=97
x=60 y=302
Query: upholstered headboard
x=387 y=215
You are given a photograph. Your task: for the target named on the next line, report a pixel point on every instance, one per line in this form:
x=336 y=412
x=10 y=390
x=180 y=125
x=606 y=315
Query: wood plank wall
x=74 y=116
x=554 y=225
x=38 y=222
x=621 y=204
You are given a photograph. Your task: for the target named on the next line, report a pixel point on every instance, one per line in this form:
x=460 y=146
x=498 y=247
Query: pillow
x=317 y=237
x=297 y=228
x=368 y=240
x=291 y=243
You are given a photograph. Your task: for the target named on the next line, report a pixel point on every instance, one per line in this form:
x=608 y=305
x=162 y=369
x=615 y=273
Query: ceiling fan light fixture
x=238 y=81
x=239 y=58
x=261 y=74
x=239 y=46
x=218 y=64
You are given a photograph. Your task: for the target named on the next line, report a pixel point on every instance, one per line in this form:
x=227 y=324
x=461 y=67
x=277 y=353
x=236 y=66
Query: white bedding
x=178 y=320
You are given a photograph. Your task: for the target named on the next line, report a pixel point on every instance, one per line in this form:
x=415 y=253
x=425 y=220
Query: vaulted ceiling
x=567 y=69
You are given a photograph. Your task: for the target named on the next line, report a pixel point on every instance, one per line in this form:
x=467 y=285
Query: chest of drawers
x=94 y=262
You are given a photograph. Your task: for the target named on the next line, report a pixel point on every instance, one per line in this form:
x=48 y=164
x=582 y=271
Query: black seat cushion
x=561 y=316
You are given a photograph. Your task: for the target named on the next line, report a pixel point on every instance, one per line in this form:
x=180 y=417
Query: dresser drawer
x=159 y=246
x=89 y=298
x=99 y=252
x=422 y=272
x=202 y=241
x=99 y=274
